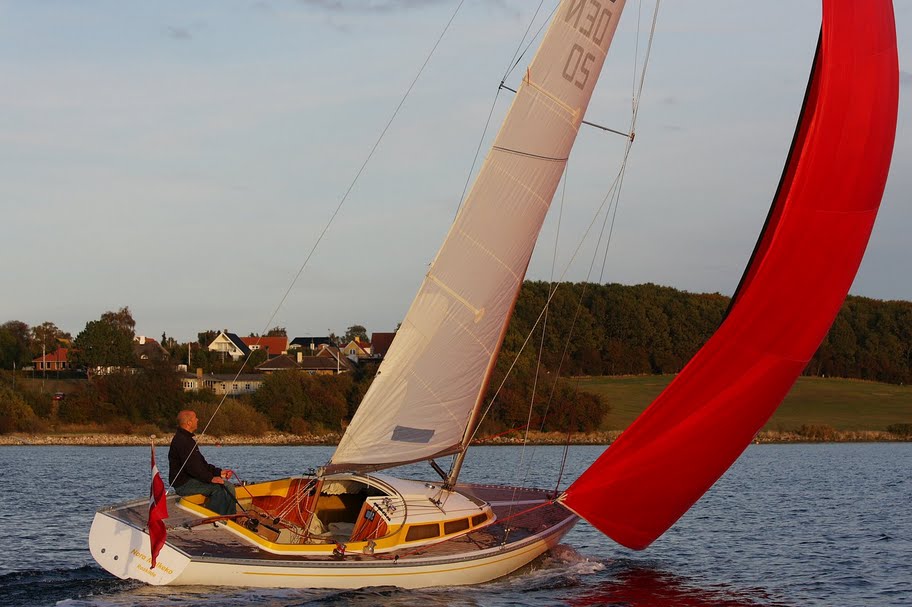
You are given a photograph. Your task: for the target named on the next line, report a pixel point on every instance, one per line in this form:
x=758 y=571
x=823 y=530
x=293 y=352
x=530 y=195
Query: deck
x=521 y=513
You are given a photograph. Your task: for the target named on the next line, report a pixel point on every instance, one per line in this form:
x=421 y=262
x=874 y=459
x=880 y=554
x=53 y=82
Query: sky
x=182 y=158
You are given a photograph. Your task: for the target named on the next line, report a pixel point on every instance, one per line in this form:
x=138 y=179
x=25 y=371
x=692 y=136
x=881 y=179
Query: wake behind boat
x=348 y=526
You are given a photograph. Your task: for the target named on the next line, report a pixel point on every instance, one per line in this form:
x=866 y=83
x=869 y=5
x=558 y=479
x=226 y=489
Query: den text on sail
x=591 y=18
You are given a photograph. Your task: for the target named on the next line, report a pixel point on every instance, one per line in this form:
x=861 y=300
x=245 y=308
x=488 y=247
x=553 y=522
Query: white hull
x=121 y=546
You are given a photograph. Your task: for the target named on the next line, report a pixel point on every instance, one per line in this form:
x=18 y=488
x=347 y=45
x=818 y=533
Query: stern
x=124 y=551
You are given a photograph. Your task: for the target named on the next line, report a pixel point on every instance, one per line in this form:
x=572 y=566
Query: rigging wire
x=564 y=272
x=551 y=288
x=615 y=190
x=541 y=314
x=635 y=107
x=484 y=133
x=629 y=134
x=541 y=347
x=611 y=200
x=487 y=125
x=567 y=341
x=336 y=211
x=635 y=103
x=517 y=56
x=563 y=464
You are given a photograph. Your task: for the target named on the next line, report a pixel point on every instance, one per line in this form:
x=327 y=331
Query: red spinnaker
x=801 y=271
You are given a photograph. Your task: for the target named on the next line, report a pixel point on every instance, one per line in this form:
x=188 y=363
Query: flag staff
x=158 y=510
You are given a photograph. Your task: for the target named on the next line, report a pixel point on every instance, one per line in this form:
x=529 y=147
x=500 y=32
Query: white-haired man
x=189 y=472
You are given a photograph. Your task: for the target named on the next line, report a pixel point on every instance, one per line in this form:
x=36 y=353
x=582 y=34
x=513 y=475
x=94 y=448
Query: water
x=787 y=525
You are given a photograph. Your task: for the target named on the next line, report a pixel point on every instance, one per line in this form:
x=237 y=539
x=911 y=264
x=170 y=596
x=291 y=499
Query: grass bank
x=845 y=405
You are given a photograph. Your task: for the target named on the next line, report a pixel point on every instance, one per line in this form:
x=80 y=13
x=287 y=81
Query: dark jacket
x=184 y=448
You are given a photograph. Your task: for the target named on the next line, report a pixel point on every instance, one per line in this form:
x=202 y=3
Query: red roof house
x=274 y=346
x=53 y=360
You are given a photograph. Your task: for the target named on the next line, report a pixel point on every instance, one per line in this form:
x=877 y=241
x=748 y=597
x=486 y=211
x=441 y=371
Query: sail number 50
x=576 y=70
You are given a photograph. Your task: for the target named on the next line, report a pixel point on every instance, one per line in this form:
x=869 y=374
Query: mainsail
x=433 y=377
x=802 y=268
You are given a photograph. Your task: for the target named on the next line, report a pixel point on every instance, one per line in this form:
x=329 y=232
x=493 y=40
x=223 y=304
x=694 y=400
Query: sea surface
x=787 y=525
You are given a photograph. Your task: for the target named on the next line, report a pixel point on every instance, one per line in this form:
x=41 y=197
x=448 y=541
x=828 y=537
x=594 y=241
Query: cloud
x=905 y=78
x=184 y=33
x=179 y=33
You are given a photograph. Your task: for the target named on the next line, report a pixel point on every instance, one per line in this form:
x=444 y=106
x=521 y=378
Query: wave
x=51 y=586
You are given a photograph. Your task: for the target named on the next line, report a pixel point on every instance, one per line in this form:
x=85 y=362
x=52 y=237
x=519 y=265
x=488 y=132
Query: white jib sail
x=435 y=373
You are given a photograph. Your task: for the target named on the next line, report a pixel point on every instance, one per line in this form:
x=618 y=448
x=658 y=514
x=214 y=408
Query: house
x=283 y=362
x=357 y=349
x=273 y=345
x=328 y=361
x=310 y=343
x=148 y=350
x=229 y=344
x=324 y=365
x=191 y=382
x=334 y=354
x=53 y=361
x=222 y=383
x=380 y=343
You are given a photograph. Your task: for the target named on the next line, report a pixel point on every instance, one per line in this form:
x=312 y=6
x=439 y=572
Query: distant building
x=338 y=363
x=222 y=383
x=53 y=361
x=274 y=346
x=324 y=365
x=148 y=350
x=229 y=344
x=380 y=343
x=357 y=349
x=328 y=362
x=313 y=344
x=283 y=362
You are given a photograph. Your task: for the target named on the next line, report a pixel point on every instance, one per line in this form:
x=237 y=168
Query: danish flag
x=158 y=511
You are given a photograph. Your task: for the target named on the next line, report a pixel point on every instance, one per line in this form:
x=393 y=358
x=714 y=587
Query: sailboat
x=352 y=524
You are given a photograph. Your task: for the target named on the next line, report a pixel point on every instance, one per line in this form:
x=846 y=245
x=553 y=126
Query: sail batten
x=438 y=366
x=798 y=277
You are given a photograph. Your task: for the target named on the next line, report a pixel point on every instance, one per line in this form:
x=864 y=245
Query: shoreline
x=332 y=439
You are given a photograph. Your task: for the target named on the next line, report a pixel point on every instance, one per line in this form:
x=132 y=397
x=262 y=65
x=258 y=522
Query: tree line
x=585 y=329
x=144 y=396
x=649 y=329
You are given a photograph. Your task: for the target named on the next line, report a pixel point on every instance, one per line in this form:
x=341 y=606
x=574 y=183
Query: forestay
x=433 y=377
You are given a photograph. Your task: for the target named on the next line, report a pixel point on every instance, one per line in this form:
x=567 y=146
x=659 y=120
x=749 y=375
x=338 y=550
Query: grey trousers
x=219 y=498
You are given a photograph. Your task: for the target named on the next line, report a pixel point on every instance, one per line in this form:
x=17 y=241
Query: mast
x=476 y=411
x=427 y=395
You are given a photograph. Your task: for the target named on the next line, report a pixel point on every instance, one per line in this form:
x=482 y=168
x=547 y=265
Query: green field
x=844 y=404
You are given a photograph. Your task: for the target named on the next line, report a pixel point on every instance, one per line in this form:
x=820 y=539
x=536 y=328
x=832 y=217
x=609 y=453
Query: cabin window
x=455 y=526
x=479 y=519
x=422 y=532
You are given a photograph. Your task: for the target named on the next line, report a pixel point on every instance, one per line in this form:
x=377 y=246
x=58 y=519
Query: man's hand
x=227 y=473
x=218 y=480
